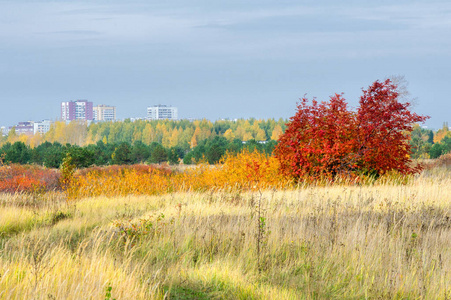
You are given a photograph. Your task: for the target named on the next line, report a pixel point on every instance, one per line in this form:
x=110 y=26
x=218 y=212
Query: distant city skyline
x=218 y=60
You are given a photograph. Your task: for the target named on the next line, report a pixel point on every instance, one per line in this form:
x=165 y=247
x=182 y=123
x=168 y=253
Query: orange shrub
x=27 y=178
x=119 y=181
x=244 y=171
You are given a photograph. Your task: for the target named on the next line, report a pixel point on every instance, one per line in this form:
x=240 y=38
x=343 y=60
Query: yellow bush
x=244 y=171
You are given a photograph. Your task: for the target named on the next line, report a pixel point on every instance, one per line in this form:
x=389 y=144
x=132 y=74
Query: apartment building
x=41 y=127
x=104 y=113
x=76 y=110
x=162 y=112
x=26 y=128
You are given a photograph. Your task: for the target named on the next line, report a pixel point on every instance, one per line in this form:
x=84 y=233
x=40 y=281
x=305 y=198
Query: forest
x=175 y=142
x=141 y=141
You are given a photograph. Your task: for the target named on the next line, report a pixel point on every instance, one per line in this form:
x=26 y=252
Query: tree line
x=193 y=139
x=183 y=133
x=51 y=155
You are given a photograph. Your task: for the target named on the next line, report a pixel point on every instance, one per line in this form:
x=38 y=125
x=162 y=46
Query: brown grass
x=385 y=241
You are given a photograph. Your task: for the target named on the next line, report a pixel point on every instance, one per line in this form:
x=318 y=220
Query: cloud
x=72 y=32
x=50 y=24
x=205 y=28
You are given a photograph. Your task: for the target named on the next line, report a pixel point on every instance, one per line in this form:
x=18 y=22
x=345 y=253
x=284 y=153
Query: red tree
x=326 y=139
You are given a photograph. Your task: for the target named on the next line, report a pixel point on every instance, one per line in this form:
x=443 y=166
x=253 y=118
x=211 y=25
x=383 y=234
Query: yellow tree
x=160 y=131
x=174 y=140
x=247 y=137
x=76 y=132
x=243 y=127
x=441 y=133
x=195 y=137
x=24 y=139
x=244 y=131
x=49 y=136
x=92 y=135
x=148 y=134
x=229 y=135
x=276 y=133
x=90 y=139
x=114 y=132
x=57 y=133
x=259 y=133
x=137 y=135
x=36 y=140
x=185 y=137
x=12 y=136
x=205 y=133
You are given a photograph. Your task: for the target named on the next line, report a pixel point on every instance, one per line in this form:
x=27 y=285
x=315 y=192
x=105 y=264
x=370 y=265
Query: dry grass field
x=381 y=241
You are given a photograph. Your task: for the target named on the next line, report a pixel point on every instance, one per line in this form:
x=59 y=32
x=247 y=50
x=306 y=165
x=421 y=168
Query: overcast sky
x=218 y=59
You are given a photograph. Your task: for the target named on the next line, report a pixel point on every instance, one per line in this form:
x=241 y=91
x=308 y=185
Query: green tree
x=253 y=145
x=215 y=149
x=38 y=153
x=188 y=158
x=441 y=148
x=140 y=152
x=49 y=154
x=158 y=154
x=419 y=142
x=122 y=154
x=53 y=158
x=431 y=137
x=175 y=154
x=18 y=153
x=436 y=150
x=235 y=146
x=102 y=153
x=81 y=157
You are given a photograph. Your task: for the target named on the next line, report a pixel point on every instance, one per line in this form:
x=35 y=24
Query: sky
x=219 y=59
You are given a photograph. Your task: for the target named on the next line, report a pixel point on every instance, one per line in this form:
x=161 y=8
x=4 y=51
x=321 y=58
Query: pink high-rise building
x=76 y=110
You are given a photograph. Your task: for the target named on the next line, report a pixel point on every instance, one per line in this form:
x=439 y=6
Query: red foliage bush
x=326 y=140
x=27 y=178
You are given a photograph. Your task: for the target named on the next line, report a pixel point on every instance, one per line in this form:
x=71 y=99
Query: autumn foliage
x=323 y=140
x=243 y=171
x=327 y=140
x=236 y=172
x=26 y=178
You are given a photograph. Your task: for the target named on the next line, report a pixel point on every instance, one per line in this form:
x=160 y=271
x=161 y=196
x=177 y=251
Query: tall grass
x=381 y=241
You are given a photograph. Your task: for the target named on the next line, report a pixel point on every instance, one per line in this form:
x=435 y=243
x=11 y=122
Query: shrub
x=25 y=178
x=327 y=140
x=245 y=171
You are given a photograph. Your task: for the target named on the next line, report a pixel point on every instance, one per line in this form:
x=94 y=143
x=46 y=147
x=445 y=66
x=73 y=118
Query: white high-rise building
x=162 y=112
x=41 y=127
x=104 y=113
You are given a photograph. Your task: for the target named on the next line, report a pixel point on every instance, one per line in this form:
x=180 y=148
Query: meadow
x=118 y=236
